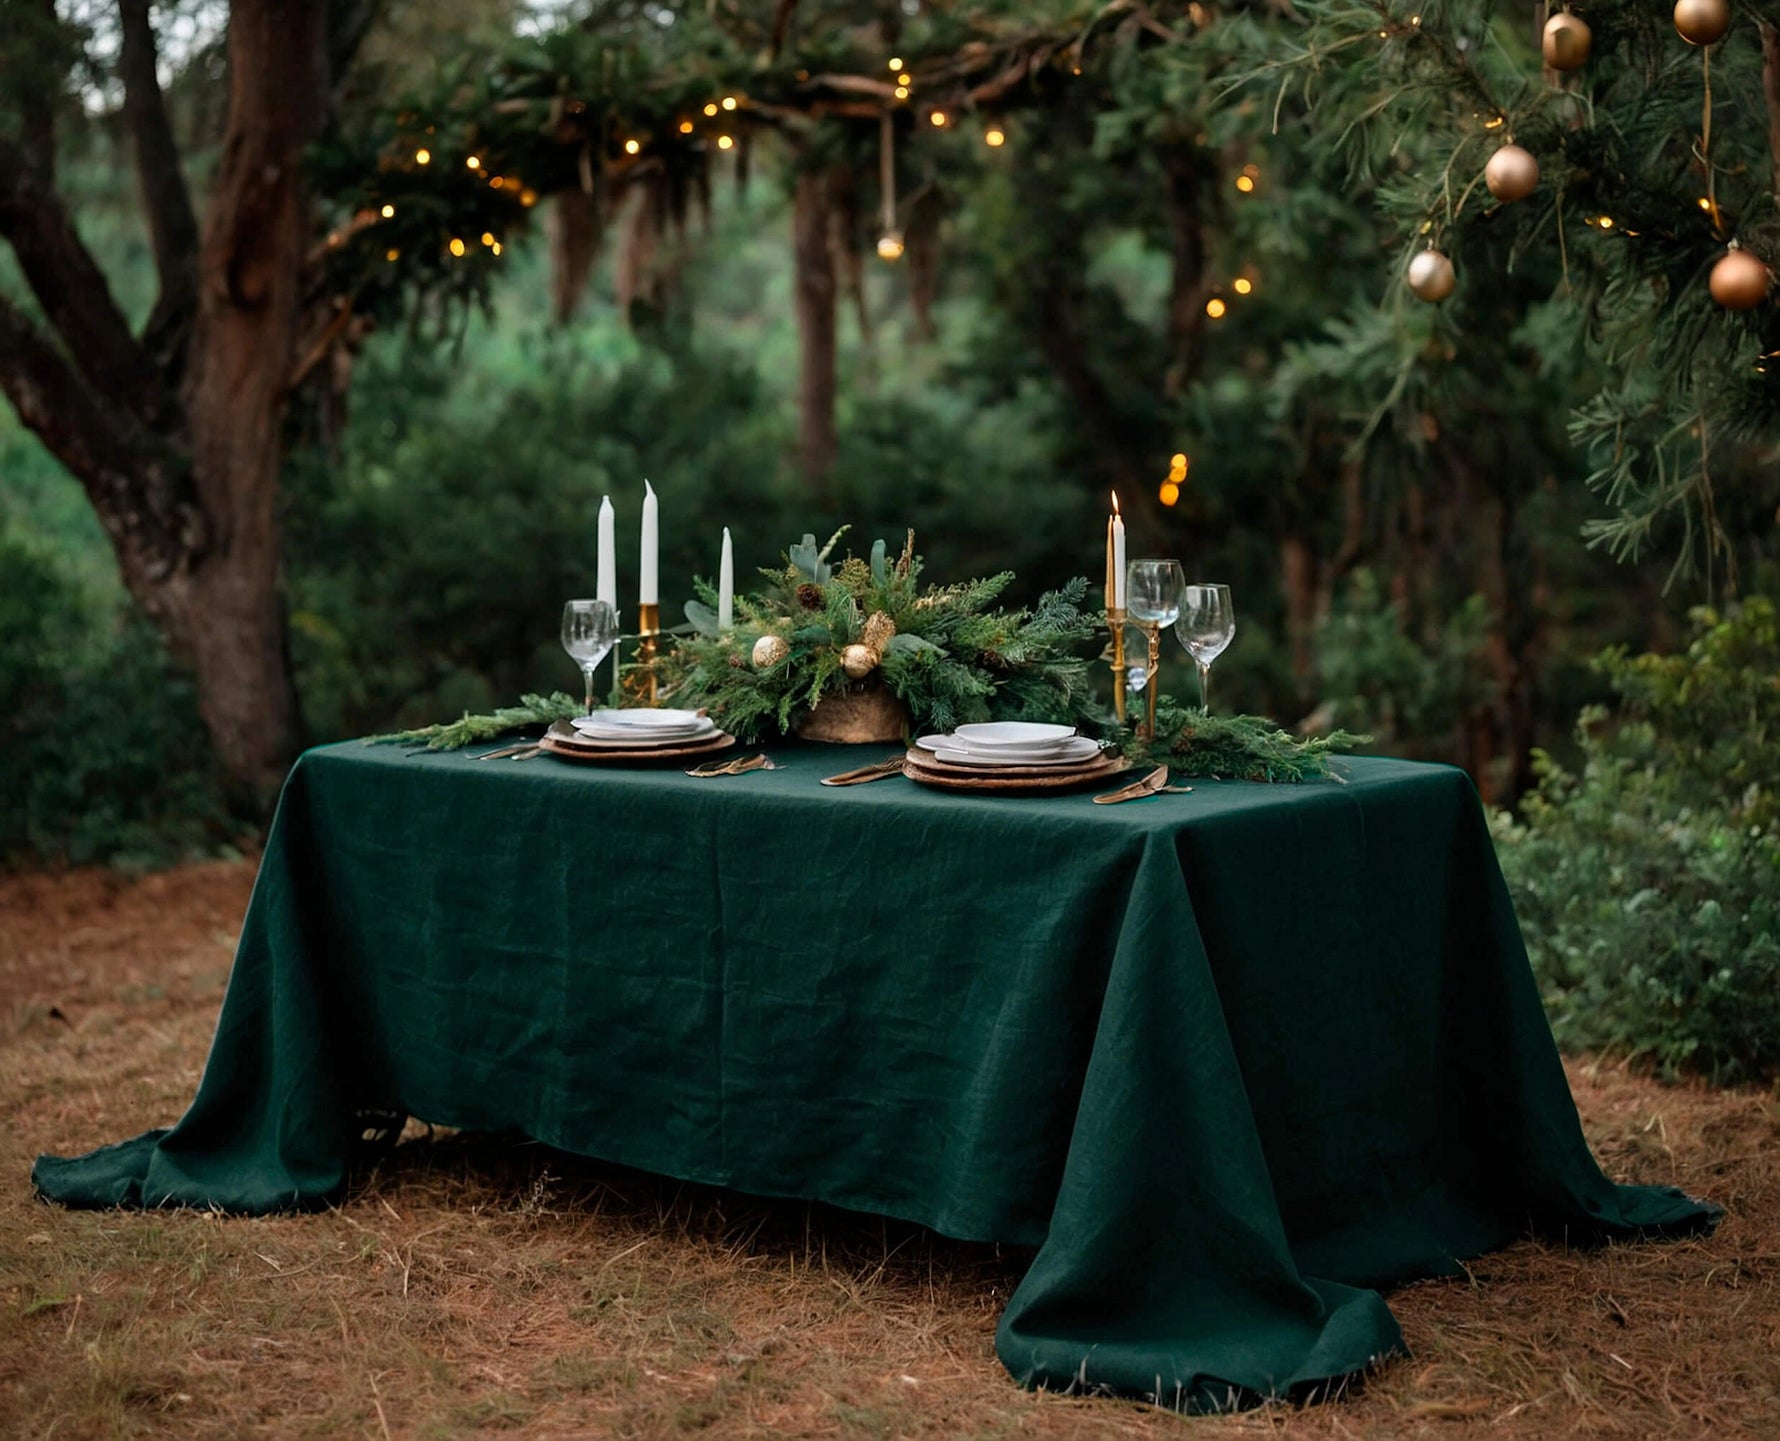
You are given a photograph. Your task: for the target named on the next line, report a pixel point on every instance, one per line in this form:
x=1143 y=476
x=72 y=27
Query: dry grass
x=479 y=1287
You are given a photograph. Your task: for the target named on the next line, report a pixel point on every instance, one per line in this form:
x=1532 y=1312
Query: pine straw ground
x=478 y=1286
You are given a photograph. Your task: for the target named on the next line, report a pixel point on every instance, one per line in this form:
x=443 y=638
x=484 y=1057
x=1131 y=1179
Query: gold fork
x=742 y=766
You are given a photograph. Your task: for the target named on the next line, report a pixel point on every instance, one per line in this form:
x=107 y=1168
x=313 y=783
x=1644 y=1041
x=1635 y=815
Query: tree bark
x=814 y=298
x=1188 y=186
x=230 y=609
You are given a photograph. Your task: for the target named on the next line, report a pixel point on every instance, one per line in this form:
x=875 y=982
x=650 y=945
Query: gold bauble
x=1739 y=281
x=859 y=661
x=878 y=630
x=769 y=650
x=1567 y=41
x=1512 y=173
x=1701 y=22
x=1431 y=276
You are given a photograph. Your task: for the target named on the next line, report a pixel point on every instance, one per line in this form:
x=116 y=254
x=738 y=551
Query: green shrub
x=1648 y=881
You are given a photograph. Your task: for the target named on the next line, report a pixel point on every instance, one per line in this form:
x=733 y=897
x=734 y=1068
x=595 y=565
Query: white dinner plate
x=641 y=718
x=1026 y=735
x=634 y=740
x=1086 y=750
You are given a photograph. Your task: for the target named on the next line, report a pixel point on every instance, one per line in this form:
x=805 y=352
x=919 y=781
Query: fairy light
x=388 y=212
x=1215 y=308
x=457 y=246
x=1606 y=222
x=905 y=79
x=488 y=237
x=496 y=181
x=423 y=156
x=729 y=102
x=995 y=137
x=1705 y=204
x=1242 y=285
x=902 y=92
x=938 y=118
x=528 y=197
x=473 y=162
x=1495 y=122
x=1245 y=183
x=495 y=246
x=392 y=255
x=725 y=143
x=890 y=246
x=1169 y=493
x=896 y=62
x=711 y=108
x=632 y=147
x=686 y=127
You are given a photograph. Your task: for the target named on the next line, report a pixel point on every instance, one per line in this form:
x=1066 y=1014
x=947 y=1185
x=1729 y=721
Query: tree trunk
x=574 y=228
x=1298 y=579
x=1189 y=185
x=815 y=288
x=228 y=608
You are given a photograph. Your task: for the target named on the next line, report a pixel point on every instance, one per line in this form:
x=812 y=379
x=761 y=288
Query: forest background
x=1121 y=233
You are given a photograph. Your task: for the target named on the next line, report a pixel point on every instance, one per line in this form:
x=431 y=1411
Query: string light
x=1242 y=285
x=392 y=255
x=528 y=197
x=474 y=162
x=388 y=211
x=938 y=118
x=496 y=247
x=896 y=62
x=1495 y=122
x=423 y=156
x=1169 y=493
x=1245 y=183
x=1215 y=308
x=890 y=246
x=725 y=143
x=1705 y=204
x=711 y=109
x=496 y=181
x=686 y=127
x=994 y=136
x=487 y=237
x=1606 y=222
x=729 y=102
x=905 y=79
x=631 y=147
x=457 y=246
x=902 y=92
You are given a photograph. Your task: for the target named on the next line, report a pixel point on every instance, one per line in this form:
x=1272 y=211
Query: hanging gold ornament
x=878 y=630
x=1431 y=276
x=1512 y=173
x=1702 y=22
x=1567 y=41
x=859 y=661
x=1739 y=281
x=769 y=650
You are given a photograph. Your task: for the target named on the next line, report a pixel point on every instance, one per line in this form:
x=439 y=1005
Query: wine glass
x=1152 y=599
x=1206 y=627
x=589 y=631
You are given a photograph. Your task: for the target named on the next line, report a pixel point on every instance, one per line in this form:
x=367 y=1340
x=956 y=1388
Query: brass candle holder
x=1115 y=657
x=638 y=681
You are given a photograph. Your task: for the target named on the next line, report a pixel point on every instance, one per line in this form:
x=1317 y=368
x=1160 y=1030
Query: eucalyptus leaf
x=703 y=618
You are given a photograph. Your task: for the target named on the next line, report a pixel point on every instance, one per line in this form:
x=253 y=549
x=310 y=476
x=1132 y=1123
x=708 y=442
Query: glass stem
x=1205 y=686
x=587 y=671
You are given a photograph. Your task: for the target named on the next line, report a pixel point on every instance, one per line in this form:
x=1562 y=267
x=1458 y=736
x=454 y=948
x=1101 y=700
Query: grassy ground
x=476 y=1286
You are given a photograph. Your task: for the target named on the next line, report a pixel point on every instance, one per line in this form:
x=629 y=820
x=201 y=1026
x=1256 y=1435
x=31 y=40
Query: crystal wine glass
x=1152 y=599
x=589 y=631
x=1206 y=627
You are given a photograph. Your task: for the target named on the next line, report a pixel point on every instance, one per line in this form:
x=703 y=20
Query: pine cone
x=810 y=596
x=878 y=630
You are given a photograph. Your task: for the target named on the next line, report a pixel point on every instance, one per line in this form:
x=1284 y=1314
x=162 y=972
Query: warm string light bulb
x=632 y=147
x=495 y=182
x=487 y=237
x=1215 y=308
x=473 y=162
x=392 y=255
x=1242 y=285
x=457 y=246
x=729 y=102
x=1244 y=183
x=905 y=79
x=902 y=92
x=995 y=137
x=711 y=109
x=1169 y=493
x=388 y=212
x=686 y=127
x=938 y=118
x=896 y=62
x=423 y=156
x=890 y=246
x=725 y=143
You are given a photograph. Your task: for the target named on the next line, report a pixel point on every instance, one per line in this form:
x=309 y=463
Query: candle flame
x=1115 y=496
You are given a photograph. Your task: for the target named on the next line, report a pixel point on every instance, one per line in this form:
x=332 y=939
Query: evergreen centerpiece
x=822 y=631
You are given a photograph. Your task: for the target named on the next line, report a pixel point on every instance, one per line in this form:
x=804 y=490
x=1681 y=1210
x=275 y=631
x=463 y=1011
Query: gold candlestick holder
x=637 y=681
x=1114 y=656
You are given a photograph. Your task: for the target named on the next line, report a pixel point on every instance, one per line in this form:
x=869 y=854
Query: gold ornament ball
x=1431 y=276
x=859 y=661
x=1739 y=281
x=1512 y=173
x=769 y=650
x=1701 y=22
x=1567 y=41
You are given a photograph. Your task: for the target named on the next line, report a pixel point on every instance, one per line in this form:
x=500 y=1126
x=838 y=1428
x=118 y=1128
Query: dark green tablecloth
x=1231 y=1060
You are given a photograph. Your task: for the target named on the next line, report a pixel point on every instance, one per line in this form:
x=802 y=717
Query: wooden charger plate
x=563 y=741
x=922 y=768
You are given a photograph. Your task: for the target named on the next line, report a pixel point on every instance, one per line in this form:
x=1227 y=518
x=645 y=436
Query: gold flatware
x=733 y=767
x=505 y=751
x=527 y=753
x=1152 y=784
x=877 y=771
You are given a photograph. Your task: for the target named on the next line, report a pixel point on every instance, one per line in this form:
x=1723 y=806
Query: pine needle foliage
x=1197 y=745
x=533 y=711
x=956 y=656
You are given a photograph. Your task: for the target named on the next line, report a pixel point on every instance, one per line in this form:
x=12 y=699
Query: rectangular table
x=1230 y=1060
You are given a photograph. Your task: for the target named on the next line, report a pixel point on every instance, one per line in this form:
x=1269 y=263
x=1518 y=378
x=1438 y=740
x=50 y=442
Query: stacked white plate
x=643 y=729
x=1012 y=744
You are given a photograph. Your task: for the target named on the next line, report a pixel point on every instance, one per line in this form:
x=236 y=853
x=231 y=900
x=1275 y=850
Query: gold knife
x=1150 y=785
x=877 y=771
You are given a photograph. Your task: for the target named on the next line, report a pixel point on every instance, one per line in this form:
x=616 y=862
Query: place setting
x=1011 y=756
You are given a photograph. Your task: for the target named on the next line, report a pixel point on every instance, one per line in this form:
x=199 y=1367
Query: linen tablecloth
x=1231 y=1060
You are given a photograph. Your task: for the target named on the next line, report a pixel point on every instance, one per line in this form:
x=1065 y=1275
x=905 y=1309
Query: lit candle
x=726 y=585
x=606 y=586
x=1115 y=558
x=648 y=584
